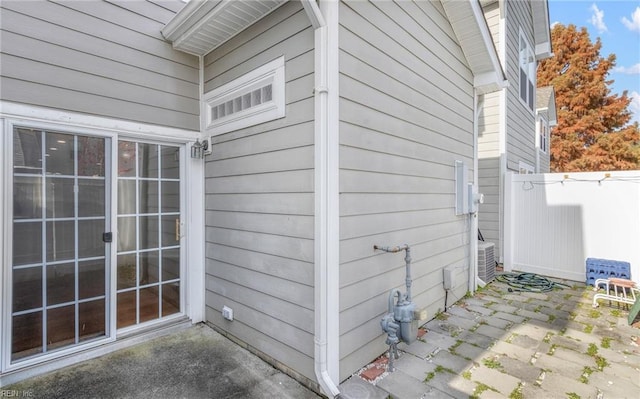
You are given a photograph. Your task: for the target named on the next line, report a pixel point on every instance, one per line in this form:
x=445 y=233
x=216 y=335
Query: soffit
x=541 y=33
x=470 y=27
x=203 y=25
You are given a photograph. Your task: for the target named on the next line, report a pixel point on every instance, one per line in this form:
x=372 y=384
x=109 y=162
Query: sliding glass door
x=148 y=271
x=60 y=260
x=66 y=289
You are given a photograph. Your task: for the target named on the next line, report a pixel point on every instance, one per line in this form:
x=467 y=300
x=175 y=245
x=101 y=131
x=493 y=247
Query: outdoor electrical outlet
x=227 y=313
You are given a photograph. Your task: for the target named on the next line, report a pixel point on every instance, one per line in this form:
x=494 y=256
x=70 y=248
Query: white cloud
x=554 y=24
x=634 y=24
x=597 y=19
x=632 y=70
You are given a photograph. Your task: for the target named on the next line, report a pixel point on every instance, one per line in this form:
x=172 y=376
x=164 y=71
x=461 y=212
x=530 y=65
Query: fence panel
x=555 y=221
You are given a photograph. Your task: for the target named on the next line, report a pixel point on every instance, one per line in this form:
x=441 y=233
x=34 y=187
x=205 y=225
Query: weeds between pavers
x=480 y=388
x=517 y=392
x=438 y=369
x=492 y=363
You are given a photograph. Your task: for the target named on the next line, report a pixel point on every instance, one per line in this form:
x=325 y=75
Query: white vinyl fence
x=555 y=221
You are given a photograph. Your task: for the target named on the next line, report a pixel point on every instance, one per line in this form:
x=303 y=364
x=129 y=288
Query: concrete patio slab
x=195 y=363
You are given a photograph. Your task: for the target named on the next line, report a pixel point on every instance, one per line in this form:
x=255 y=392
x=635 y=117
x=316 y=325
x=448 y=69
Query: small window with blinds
x=254 y=98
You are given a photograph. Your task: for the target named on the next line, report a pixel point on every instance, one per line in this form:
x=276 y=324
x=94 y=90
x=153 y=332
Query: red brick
x=372 y=373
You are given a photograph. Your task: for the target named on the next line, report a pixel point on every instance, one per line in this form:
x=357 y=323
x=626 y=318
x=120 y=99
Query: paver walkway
x=501 y=344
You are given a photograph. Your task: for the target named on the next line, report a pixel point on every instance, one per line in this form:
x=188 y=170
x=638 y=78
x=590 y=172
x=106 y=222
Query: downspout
x=325 y=259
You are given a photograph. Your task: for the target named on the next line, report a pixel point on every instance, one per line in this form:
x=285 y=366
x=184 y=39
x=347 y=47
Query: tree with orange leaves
x=593 y=131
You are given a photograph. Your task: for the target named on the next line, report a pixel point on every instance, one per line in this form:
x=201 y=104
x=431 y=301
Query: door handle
x=177 y=229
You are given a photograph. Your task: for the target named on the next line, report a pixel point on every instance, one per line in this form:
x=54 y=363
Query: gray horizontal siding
x=520 y=129
x=259 y=199
x=545 y=162
x=406 y=116
x=99 y=58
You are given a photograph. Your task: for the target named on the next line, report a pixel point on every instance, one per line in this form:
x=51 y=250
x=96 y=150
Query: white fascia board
x=543 y=51
x=499 y=78
x=489 y=82
x=176 y=27
x=541 y=25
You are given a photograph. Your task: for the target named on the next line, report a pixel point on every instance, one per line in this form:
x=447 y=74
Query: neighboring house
x=331 y=128
x=546 y=118
x=508 y=138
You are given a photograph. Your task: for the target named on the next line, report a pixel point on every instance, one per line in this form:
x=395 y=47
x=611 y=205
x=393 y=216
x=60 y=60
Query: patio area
x=502 y=344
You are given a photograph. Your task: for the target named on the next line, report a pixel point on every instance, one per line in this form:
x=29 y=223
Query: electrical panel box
x=448 y=277
x=462 y=182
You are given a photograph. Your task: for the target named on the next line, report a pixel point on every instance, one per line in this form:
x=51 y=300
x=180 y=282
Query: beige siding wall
x=259 y=200
x=489 y=214
x=100 y=58
x=406 y=111
x=490 y=118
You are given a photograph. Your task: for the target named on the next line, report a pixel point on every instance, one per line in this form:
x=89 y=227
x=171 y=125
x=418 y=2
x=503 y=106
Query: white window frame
x=525 y=168
x=543 y=135
x=273 y=74
x=527 y=65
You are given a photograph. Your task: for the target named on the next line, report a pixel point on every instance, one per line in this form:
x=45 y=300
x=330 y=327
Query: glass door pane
x=59 y=264
x=148 y=264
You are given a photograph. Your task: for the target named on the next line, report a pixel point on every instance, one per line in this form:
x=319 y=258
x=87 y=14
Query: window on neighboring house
x=253 y=98
x=544 y=135
x=524 y=168
x=527 y=69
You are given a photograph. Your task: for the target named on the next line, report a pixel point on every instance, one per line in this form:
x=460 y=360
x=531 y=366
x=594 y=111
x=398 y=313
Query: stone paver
x=462 y=312
x=414 y=366
x=491 y=331
x=519 y=369
x=545 y=345
x=402 y=386
x=469 y=351
x=562 y=384
x=497 y=322
x=509 y=317
x=533 y=329
x=504 y=383
x=451 y=362
x=477 y=339
x=513 y=351
x=356 y=387
x=421 y=348
x=454 y=385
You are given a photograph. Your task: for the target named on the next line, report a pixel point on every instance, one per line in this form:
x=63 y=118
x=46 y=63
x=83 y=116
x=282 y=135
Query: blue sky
x=617 y=24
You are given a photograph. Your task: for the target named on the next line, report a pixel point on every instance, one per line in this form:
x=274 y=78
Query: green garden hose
x=528 y=282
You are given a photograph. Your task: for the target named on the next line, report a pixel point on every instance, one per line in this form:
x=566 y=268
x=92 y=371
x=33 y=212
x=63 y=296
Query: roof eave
x=193 y=29
x=541 y=29
x=487 y=76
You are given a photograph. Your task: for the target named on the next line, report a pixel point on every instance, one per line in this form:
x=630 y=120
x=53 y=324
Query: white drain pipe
x=326 y=356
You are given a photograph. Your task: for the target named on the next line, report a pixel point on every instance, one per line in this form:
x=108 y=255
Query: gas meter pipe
x=407 y=261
